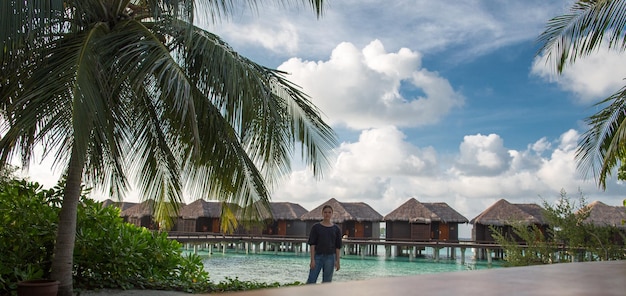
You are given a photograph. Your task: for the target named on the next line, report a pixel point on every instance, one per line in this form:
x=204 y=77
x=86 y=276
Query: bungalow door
x=215 y=225
x=444 y=231
x=282 y=227
x=359 y=229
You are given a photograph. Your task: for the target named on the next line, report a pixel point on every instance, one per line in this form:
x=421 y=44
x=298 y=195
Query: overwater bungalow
x=355 y=219
x=200 y=216
x=601 y=214
x=286 y=220
x=415 y=221
x=122 y=205
x=142 y=215
x=502 y=215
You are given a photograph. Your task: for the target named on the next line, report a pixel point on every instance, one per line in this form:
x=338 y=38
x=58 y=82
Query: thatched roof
x=213 y=209
x=143 y=209
x=119 y=204
x=504 y=213
x=345 y=211
x=287 y=211
x=413 y=211
x=139 y=210
x=201 y=208
x=604 y=215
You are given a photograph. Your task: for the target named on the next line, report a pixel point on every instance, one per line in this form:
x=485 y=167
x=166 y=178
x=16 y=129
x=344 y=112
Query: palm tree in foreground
x=589 y=25
x=119 y=90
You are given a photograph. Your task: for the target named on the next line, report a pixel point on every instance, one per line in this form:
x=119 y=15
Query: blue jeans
x=324 y=262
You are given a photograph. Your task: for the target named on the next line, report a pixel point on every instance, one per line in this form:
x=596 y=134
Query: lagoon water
x=288 y=267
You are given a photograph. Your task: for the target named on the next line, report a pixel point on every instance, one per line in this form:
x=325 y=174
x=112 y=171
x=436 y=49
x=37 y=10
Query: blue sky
x=443 y=101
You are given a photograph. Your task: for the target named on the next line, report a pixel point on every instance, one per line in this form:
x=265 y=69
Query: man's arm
x=312 y=264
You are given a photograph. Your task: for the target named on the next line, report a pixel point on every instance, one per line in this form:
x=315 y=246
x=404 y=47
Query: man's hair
x=328 y=207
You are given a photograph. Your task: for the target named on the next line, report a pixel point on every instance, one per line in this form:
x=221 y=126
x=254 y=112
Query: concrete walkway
x=586 y=278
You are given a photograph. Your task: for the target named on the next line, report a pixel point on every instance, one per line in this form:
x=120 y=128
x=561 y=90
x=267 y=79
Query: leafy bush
x=569 y=237
x=537 y=249
x=28 y=216
x=108 y=252
x=234 y=284
x=112 y=254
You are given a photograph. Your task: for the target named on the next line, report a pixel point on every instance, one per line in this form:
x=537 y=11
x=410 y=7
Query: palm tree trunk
x=63 y=260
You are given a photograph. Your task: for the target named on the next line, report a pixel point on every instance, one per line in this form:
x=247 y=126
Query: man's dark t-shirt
x=325 y=239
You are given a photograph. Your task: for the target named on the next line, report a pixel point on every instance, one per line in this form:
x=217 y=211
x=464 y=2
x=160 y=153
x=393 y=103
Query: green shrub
x=108 y=252
x=234 y=284
x=112 y=254
x=28 y=216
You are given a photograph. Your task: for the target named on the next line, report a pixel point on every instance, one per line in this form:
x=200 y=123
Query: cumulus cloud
x=383 y=169
x=590 y=78
x=482 y=155
x=361 y=89
x=384 y=152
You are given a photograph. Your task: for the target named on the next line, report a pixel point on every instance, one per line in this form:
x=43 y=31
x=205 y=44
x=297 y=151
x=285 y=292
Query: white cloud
x=380 y=169
x=384 y=152
x=483 y=155
x=278 y=36
x=429 y=26
x=362 y=88
x=590 y=78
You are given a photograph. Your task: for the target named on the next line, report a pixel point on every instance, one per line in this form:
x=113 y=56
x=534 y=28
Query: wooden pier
x=217 y=242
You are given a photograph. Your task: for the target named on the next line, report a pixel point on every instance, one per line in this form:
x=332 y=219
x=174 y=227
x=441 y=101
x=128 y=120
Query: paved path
x=607 y=278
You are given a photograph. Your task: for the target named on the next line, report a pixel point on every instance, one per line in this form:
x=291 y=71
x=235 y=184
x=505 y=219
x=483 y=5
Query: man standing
x=325 y=242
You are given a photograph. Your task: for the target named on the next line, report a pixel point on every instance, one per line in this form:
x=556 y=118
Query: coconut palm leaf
x=589 y=24
x=130 y=90
x=580 y=32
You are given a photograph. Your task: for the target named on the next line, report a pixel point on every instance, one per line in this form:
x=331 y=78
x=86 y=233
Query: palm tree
x=130 y=90
x=589 y=25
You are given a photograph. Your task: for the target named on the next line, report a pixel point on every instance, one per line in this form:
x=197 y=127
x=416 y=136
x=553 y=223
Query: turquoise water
x=288 y=267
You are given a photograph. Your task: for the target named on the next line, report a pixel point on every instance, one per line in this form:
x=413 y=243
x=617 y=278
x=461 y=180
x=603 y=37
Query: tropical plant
x=568 y=237
x=131 y=90
x=536 y=249
x=27 y=229
x=108 y=254
x=590 y=25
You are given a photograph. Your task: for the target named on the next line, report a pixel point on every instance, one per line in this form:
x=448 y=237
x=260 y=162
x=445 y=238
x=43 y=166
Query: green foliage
x=568 y=237
x=234 y=284
x=566 y=219
x=113 y=254
x=108 y=253
x=536 y=249
x=27 y=231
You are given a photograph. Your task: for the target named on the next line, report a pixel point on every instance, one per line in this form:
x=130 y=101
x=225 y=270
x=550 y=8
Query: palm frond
x=579 y=33
x=138 y=89
x=602 y=146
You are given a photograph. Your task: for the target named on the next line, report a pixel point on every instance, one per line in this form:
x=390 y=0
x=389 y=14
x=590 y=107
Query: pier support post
x=462 y=255
x=436 y=253
x=387 y=251
x=488 y=256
